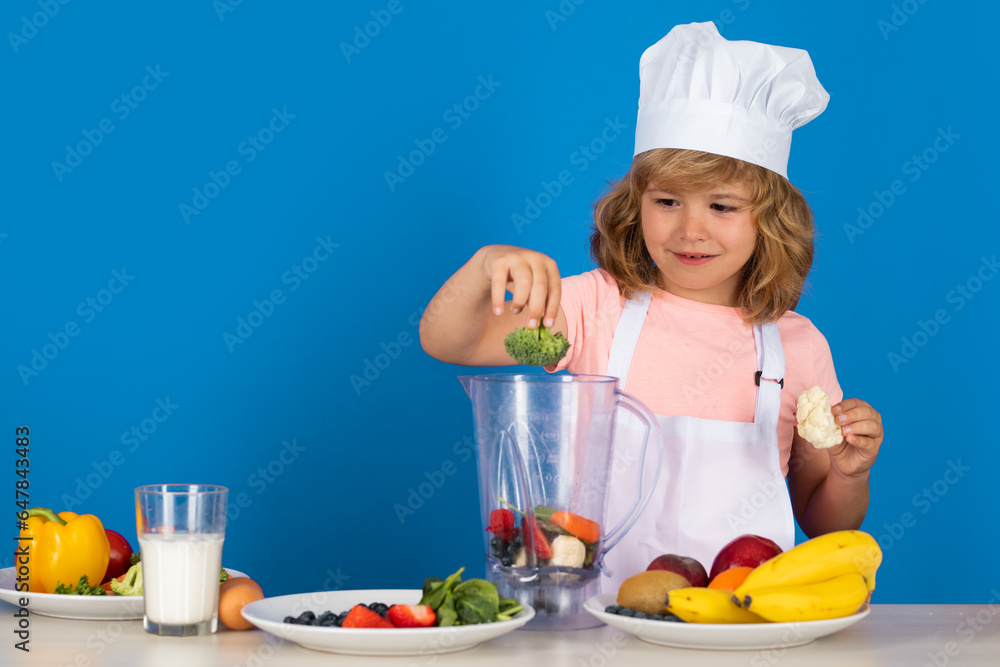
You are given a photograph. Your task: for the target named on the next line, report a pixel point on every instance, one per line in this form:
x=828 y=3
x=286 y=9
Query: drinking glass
x=181 y=528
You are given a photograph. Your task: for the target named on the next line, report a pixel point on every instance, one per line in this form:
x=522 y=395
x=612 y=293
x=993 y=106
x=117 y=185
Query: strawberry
x=535 y=538
x=411 y=615
x=361 y=616
x=502 y=524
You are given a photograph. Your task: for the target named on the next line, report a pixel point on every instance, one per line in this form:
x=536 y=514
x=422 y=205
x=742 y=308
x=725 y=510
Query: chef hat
x=702 y=92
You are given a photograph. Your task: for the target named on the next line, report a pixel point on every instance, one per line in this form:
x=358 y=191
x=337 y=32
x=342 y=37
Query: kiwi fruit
x=647 y=591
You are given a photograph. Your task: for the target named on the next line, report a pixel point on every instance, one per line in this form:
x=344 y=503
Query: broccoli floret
x=536 y=347
x=131 y=584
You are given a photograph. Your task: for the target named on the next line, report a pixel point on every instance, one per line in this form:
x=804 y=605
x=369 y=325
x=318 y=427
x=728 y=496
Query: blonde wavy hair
x=772 y=278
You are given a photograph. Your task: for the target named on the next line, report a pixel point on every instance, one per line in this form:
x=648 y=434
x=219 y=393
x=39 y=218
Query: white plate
x=736 y=636
x=269 y=614
x=78 y=607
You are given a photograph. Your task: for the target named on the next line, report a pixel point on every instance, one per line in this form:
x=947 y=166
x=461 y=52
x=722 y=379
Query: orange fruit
x=731 y=579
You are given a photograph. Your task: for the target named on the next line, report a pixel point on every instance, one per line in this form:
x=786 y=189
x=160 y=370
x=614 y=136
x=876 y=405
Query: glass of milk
x=181 y=528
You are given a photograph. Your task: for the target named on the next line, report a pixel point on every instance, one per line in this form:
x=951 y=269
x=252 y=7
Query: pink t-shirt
x=693 y=358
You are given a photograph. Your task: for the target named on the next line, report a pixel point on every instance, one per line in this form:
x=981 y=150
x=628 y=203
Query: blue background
x=323 y=513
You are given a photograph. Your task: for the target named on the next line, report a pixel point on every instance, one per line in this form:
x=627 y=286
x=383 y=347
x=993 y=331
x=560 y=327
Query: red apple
x=688 y=568
x=745 y=550
x=121 y=551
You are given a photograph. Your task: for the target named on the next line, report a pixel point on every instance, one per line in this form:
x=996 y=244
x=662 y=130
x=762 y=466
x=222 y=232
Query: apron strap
x=626 y=335
x=770 y=374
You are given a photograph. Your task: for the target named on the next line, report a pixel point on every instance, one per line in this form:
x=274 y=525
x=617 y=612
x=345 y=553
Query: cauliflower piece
x=568 y=551
x=815 y=420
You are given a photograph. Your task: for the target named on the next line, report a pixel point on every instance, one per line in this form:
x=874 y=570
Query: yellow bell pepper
x=63 y=548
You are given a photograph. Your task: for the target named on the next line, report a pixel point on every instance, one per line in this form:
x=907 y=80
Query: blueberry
x=625 y=611
x=379 y=608
x=289 y=619
x=640 y=614
x=306 y=617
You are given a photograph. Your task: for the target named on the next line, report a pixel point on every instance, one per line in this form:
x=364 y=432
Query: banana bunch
x=829 y=576
x=708 y=605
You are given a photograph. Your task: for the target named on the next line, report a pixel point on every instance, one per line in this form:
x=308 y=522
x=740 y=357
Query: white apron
x=719 y=479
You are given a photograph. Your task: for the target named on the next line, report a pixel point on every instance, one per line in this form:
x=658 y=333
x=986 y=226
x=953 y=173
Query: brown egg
x=233 y=596
x=232 y=581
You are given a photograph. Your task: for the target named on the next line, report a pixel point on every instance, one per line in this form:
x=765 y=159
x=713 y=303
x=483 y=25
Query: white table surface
x=892 y=635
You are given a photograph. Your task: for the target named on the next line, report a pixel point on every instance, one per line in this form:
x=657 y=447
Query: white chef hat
x=742 y=99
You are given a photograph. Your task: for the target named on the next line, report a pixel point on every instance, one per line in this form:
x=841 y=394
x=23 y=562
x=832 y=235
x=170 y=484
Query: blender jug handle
x=615 y=535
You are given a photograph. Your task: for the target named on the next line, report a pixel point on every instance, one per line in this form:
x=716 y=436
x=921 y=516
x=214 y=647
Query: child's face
x=700 y=241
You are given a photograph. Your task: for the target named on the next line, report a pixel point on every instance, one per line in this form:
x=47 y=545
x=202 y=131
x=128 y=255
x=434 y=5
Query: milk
x=180 y=574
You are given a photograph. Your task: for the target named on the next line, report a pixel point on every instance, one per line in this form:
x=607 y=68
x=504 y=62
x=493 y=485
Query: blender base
x=557 y=594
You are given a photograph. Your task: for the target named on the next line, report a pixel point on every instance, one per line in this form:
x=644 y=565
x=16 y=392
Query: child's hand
x=531 y=277
x=862 y=427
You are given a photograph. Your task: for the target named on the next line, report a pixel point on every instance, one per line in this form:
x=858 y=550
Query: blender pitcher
x=545 y=461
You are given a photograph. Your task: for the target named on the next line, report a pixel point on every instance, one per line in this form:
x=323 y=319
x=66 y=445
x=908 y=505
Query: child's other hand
x=862 y=427
x=531 y=277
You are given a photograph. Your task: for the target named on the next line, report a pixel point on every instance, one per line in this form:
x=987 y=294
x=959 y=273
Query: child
x=703 y=249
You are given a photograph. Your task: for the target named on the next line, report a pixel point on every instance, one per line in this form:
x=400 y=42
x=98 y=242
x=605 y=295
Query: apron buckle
x=756 y=380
